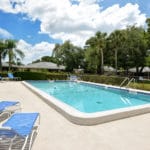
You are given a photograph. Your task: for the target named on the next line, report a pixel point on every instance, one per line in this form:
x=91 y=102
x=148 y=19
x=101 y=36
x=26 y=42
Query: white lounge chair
x=73 y=78
x=19 y=131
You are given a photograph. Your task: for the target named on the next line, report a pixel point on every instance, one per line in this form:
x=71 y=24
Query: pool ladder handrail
x=124 y=81
x=132 y=79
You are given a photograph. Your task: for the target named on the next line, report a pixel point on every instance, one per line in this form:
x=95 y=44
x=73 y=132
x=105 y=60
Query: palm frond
x=20 y=53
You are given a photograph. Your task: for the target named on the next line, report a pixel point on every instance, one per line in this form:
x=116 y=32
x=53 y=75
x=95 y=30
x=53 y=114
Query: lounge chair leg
x=11 y=143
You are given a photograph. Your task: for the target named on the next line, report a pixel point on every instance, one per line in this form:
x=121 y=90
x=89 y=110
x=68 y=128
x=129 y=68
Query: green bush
x=56 y=76
x=113 y=80
x=3 y=74
x=144 y=81
x=40 y=76
x=142 y=86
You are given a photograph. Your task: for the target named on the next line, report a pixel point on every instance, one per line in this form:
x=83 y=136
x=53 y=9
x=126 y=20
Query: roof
x=145 y=69
x=45 y=65
x=109 y=68
x=5 y=64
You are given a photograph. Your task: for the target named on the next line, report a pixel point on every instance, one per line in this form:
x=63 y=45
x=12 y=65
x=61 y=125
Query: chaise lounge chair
x=12 y=77
x=7 y=108
x=73 y=78
x=19 y=131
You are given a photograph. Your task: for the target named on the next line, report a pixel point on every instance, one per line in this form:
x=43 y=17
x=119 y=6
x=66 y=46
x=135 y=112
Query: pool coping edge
x=81 y=118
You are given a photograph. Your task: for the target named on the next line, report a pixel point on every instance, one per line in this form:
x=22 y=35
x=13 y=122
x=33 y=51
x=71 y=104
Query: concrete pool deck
x=57 y=133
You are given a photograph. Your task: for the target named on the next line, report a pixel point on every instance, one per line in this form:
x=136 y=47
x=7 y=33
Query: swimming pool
x=79 y=101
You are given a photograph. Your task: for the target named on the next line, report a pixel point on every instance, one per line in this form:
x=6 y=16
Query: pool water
x=91 y=98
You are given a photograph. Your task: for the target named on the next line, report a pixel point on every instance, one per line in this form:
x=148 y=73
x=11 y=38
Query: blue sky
x=23 y=29
x=39 y=25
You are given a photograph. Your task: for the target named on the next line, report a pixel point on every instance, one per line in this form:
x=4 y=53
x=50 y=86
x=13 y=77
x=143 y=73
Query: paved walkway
x=57 y=133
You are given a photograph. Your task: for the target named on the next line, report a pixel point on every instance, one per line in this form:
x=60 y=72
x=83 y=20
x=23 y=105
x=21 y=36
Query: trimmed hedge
x=26 y=75
x=142 y=86
x=40 y=76
x=3 y=74
x=113 y=80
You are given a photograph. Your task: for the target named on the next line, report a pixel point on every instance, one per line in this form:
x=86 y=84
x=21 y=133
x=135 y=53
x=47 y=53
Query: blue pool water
x=91 y=98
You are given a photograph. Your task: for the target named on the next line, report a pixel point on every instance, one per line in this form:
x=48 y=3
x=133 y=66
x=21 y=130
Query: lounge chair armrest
x=4 y=115
x=14 y=108
x=5 y=128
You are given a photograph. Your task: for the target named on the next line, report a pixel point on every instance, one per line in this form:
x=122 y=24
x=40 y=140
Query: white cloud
x=65 y=20
x=33 y=52
x=8 y=5
x=5 y=34
x=117 y=17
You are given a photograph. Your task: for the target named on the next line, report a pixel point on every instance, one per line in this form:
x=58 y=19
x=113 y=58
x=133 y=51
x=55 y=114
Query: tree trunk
x=137 y=70
x=116 y=60
x=102 y=62
x=10 y=59
x=0 y=62
x=141 y=69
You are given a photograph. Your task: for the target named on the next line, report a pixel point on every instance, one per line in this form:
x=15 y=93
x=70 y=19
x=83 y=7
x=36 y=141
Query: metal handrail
x=124 y=81
x=132 y=79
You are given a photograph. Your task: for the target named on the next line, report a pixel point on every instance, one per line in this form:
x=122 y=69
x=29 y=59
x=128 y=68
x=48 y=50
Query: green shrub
x=113 y=80
x=142 y=86
x=144 y=81
x=56 y=76
x=3 y=74
x=40 y=76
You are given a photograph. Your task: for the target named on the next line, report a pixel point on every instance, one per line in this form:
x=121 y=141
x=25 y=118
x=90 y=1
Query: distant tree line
x=121 y=49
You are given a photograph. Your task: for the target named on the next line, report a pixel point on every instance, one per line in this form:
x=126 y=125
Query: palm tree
x=148 y=32
x=101 y=43
x=116 y=39
x=56 y=53
x=12 y=51
x=2 y=49
x=55 y=50
x=98 y=43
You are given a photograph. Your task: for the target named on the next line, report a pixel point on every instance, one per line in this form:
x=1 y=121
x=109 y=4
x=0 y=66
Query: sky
x=39 y=25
